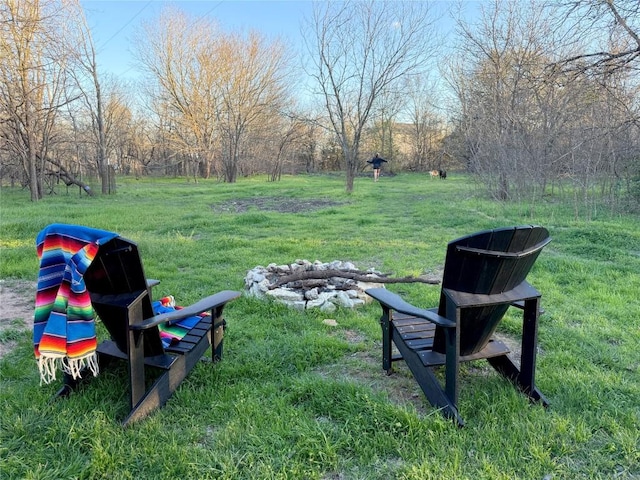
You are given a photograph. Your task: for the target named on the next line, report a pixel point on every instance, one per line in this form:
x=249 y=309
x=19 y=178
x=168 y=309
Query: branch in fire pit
x=307 y=277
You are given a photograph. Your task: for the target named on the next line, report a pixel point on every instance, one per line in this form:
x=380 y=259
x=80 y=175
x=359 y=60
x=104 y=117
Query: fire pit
x=304 y=284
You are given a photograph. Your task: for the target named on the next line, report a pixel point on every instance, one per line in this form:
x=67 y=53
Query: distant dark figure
x=376 y=163
x=443 y=174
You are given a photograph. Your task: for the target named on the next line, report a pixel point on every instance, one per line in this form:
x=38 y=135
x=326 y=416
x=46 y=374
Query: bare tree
x=92 y=93
x=291 y=130
x=360 y=50
x=526 y=126
x=176 y=51
x=252 y=88
x=119 y=125
x=506 y=99
x=33 y=81
x=38 y=47
x=385 y=117
x=427 y=128
x=605 y=34
x=214 y=85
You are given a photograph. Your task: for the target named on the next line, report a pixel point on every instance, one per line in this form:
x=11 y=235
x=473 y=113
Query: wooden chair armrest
x=204 y=305
x=395 y=302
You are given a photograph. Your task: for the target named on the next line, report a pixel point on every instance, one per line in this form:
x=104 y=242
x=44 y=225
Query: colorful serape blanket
x=173 y=332
x=64 y=334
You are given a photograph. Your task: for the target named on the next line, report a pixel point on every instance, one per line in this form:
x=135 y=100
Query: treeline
x=532 y=100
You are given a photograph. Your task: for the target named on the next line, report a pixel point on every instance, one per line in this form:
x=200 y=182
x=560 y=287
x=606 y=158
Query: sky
x=114 y=22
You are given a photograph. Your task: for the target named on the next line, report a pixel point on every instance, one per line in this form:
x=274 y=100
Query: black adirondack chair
x=121 y=296
x=484 y=274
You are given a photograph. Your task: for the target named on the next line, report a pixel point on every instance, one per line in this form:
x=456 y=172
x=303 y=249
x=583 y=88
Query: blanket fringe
x=75 y=366
x=48 y=365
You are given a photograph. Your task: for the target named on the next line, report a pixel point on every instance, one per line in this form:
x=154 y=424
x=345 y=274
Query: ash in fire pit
x=313 y=285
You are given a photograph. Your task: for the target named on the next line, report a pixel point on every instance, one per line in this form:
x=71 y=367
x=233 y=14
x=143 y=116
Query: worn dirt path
x=17 y=299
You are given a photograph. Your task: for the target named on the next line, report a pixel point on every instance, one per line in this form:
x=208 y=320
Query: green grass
x=295 y=398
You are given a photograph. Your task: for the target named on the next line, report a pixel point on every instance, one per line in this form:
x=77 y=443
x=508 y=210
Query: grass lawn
x=297 y=398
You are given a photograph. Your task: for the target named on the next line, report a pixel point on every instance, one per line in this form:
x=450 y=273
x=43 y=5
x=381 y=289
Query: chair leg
x=529 y=344
x=510 y=371
x=136 y=367
x=164 y=386
x=524 y=377
x=219 y=325
x=430 y=385
x=452 y=361
x=217 y=339
x=69 y=385
x=443 y=399
x=385 y=323
x=452 y=365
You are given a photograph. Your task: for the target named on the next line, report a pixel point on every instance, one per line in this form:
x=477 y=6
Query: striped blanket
x=173 y=332
x=64 y=334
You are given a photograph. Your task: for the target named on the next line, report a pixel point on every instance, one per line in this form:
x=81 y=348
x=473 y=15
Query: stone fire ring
x=306 y=289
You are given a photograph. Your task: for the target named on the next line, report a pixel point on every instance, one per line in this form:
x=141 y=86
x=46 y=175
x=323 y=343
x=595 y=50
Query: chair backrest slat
x=117 y=270
x=488 y=263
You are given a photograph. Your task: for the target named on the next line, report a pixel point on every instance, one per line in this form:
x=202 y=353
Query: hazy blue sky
x=113 y=23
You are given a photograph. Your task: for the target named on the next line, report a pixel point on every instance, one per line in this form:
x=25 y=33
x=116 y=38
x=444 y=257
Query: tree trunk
x=33 y=178
x=35 y=181
x=67 y=178
x=350 y=155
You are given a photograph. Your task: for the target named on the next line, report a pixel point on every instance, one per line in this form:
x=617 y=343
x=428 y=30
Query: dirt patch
x=513 y=344
x=366 y=368
x=16 y=315
x=274 y=204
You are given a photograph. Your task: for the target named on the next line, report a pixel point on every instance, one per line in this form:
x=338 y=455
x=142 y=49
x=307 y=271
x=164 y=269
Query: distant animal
x=434 y=173
x=442 y=174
